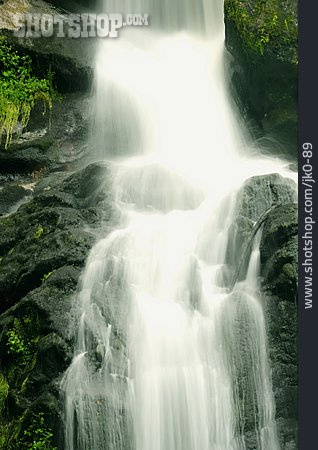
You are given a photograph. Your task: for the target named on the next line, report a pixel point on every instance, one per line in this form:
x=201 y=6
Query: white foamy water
x=167 y=356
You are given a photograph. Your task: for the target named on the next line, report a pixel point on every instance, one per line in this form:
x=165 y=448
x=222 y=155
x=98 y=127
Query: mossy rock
x=262 y=38
x=44 y=246
x=260 y=193
x=266 y=27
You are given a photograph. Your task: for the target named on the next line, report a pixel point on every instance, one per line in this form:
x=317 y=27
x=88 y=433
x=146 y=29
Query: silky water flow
x=168 y=355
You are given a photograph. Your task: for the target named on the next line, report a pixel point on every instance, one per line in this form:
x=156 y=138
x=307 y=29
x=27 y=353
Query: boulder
x=260 y=193
x=257 y=196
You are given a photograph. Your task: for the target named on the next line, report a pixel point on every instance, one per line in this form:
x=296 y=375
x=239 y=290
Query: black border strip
x=308 y=133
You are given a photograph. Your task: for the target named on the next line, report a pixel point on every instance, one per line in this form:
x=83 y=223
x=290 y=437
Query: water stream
x=167 y=356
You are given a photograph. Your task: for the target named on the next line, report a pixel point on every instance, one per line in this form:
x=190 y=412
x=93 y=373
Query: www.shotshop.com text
x=306 y=202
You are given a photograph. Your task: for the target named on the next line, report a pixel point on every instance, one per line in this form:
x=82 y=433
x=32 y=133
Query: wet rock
x=24 y=161
x=156 y=187
x=254 y=201
x=260 y=193
x=279 y=261
x=279 y=252
x=48 y=233
x=11 y=196
x=89 y=186
x=239 y=234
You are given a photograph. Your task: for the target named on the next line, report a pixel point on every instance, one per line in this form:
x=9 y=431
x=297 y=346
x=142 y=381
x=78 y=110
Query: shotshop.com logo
x=77 y=25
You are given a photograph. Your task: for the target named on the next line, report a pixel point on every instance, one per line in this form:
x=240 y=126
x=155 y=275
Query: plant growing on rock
x=38 y=436
x=266 y=26
x=20 y=90
x=22 y=338
x=39 y=232
x=46 y=276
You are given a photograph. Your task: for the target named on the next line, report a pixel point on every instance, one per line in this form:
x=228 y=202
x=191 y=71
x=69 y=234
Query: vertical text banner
x=308 y=223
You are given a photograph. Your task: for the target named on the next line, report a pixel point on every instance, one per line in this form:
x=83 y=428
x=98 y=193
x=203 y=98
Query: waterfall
x=167 y=356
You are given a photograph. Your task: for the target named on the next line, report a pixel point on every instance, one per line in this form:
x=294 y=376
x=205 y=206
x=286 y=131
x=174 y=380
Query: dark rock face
x=11 y=196
x=279 y=251
x=279 y=260
x=70 y=59
x=51 y=141
x=43 y=248
x=240 y=233
x=45 y=243
x=255 y=198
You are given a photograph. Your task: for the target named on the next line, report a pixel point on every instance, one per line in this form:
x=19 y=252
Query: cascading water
x=167 y=356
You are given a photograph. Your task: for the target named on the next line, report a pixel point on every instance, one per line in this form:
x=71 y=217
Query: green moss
x=22 y=339
x=20 y=90
x=4 y=390
x=266 y=26
x=27 y=432
x=37 y=436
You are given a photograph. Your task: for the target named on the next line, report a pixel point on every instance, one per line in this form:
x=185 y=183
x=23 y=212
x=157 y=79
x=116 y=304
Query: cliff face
x=49 y=213
x=44 y=246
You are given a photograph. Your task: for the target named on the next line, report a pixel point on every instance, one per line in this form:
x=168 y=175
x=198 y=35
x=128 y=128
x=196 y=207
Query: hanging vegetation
x=20 y=90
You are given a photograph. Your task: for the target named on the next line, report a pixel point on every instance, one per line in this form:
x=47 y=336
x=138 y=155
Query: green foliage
x=266 y=26
x=20 y=90
x=22 y=339
x=38 y=232
x=46 y=276
x=16 y=342
x=37 y=436
x=4 y=390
